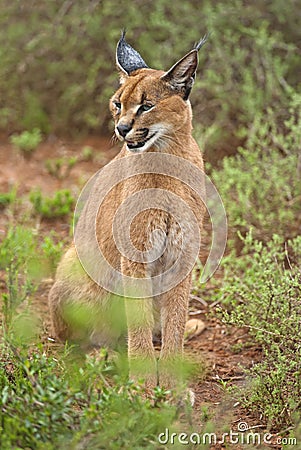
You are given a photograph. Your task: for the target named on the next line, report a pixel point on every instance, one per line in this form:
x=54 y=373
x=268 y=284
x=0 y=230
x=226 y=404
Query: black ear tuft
x=202 y=41
x=128 y=59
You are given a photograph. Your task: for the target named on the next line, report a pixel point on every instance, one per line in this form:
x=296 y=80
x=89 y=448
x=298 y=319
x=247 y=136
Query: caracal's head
x=151 y=106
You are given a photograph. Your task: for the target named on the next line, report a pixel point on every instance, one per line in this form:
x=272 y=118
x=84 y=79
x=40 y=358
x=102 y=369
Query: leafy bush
x=60 y=168
x=262 y=290
x=50 y=403
x=7 y=198
x=27 y=141
x=52 y=250
x=18 y=258
x=61 y=71
x=260 y=186
x=59 y=205
x=87 y=153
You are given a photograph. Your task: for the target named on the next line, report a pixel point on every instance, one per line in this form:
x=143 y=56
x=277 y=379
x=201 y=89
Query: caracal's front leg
x=174 y=308
x=140 y=323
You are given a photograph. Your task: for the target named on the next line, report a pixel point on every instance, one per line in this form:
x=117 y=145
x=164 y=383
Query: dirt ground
x=216 y=347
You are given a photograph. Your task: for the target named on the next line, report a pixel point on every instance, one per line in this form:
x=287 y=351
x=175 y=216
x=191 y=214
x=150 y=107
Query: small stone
x=194 y=327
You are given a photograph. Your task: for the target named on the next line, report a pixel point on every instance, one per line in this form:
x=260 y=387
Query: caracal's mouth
x=135 y=146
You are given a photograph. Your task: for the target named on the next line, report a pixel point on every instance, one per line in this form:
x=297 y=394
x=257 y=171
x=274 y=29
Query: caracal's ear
x=127 y=59
x=182 y=75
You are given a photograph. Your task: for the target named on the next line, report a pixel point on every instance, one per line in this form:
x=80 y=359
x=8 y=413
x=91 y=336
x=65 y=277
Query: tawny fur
x=167 y=312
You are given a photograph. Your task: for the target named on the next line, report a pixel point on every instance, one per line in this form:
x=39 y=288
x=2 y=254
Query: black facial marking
x=143 y=98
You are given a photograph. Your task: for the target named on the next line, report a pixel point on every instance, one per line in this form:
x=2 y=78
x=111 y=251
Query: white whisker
x=113 y=139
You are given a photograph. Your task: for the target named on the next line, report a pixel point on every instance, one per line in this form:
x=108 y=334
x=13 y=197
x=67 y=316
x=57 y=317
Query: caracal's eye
x=144 y=108
x=117 y=106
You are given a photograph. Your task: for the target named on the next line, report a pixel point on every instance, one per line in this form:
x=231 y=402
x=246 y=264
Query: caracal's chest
x=157 y=217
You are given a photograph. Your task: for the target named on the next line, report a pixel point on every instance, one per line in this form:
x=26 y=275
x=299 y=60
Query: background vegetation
x=56 y=76
x=57 y=61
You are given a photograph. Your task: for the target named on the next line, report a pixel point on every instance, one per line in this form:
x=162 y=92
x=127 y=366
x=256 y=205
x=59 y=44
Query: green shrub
x=7 y=198
x=52 y=250
x=18 y=257
x=50 y=403
x=59 y=205
x=60 y=168
x=260 y=186
x=58 y=64
x=18 y=244
x=46 y=408
x=261 y=290
x=27 y=141
x=87 y=153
